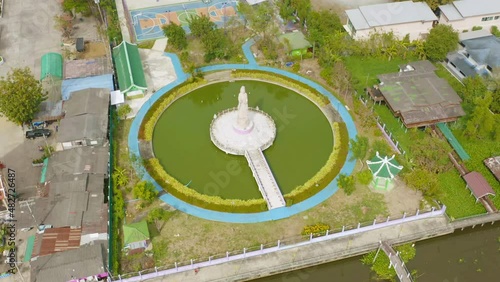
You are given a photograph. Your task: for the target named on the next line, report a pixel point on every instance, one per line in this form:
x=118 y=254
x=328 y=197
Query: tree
x=20 y=95
x=176 y=35
x=423 y=180
x=359 y=148
x=347 y=183
x=474 y=87
x=201 y=25
x=216 y=45
x=442 y=39
x=157 y=215
x=364 y=177
x=145 y=190
x=431 y=154
x=123 y=111
x=120 y=177
x=482 y=123
x=76 y=6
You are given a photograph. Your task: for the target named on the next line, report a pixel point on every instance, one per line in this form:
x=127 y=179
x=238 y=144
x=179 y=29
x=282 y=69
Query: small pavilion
x=384 y=169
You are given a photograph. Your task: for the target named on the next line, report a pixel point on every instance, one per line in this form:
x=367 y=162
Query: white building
x=465 y=14
x=402 y=18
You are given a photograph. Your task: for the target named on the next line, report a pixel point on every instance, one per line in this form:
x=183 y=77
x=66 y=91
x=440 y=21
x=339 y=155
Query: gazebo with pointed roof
x=384 y=169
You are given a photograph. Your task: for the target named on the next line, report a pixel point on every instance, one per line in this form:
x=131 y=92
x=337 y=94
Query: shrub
x=178 y=190
x=474 y=28
x=364 y=177
x=347 y=183
x=303 y=89
x=123 y=111
x=328 y=172
x=145 y=191
x=318 y=229
x=494 y=30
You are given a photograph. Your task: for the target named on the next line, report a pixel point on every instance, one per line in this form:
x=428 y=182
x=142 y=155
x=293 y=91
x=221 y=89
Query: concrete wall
x=415 y=29
x=468 y=23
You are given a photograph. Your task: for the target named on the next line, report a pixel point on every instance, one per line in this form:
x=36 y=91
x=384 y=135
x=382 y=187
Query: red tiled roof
x=478 y=184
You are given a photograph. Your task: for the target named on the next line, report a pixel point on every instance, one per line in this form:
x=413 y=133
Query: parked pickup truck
x=32 y=134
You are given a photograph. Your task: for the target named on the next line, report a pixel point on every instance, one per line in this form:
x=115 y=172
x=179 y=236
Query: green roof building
x=52 y=64
x=136 y=235
x=130 y=73
x=384 y=169
x=295 y=42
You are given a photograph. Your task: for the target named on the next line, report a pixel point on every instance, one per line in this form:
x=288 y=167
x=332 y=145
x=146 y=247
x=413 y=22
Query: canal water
x=464 y=256
x=181 y=140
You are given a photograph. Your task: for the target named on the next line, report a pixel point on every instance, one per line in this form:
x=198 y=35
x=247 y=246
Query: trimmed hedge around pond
x=302 y=89
x=328 y=172
x=180 y=191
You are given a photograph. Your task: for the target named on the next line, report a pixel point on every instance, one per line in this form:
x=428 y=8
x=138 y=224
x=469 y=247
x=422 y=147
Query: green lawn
x=455 y=196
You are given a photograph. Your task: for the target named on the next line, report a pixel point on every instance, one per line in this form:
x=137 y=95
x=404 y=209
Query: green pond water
x=181 y=140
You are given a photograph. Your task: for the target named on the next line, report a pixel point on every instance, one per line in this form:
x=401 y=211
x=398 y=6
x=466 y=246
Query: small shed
x=136 y=236
x=80 y=44
x=478 y=185
x=296 y=43
x=384 y=169
x=52 y=65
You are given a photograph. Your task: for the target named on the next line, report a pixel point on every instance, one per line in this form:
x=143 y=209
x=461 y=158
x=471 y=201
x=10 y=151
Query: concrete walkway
x=265 y=179
x=288 y=258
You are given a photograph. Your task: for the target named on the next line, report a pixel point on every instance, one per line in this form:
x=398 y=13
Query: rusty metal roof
x=478 y=184
x=55 y=240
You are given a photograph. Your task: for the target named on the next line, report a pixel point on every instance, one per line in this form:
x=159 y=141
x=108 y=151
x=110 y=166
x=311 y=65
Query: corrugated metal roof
x=420 y=97
x=473 y=8
x=85 y=261
x=484 y=50
x=87 y=101
x=451 y=12
x=74 y=161
x=493 y=164
x=85 y=68
x=390 y=14
x=478 y=184
x=75 y=84
x=129 y=68
x=55 y=240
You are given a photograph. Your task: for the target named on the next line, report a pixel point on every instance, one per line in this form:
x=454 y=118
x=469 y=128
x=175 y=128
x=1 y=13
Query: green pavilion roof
x=129 y=67
x=384 y=167
x=52 y=64
x=135 y=232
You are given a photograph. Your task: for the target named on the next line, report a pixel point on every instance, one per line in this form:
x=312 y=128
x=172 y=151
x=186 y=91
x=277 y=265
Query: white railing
x=287 y=243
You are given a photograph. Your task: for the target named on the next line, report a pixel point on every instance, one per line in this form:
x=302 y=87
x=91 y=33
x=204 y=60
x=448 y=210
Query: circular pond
x=181 y=140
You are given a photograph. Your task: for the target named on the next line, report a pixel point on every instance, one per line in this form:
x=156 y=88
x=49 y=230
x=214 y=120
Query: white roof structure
x=117 y=97
x=470 y=8
x=371 y=16
x=254 y=2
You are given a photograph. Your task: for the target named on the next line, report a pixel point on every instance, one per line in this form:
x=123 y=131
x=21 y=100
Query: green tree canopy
x=321 y=24
x=216 y=45
x=482 y=123
x=157 y=215
x=441 y=40
x=176 y=35
x=146 y=191
x=20 y=95
x=423 y=180
x=347 y=183
x=359 y=148
x=431 y=154
x=76 y=6
x=474 y=87
x=200 y=25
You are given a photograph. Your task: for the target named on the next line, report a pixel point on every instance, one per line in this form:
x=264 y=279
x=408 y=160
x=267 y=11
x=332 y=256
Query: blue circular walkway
x=274 y=214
